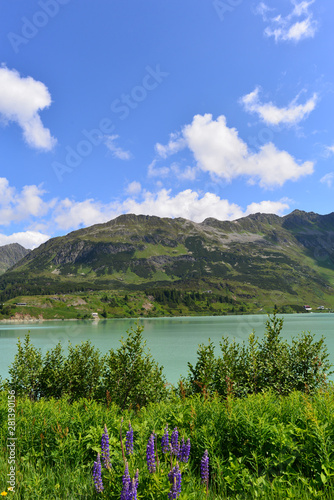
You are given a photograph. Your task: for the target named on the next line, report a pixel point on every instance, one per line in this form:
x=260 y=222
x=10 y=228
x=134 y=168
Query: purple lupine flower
x=165 y=441
x=180 y=450
x=129 y=440
x=97 y=475
x=175 y=479
x=129 y=491
x=150 y=455
x=134 y=486
x=174 y=441
x=184 y=452
x=135 y=483
x=205 y=468
x=126 y=480
x=105 y=448
x=136 y=478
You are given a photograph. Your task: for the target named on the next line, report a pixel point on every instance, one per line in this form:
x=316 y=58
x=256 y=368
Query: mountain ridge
x=288 y=255
x=10 y=254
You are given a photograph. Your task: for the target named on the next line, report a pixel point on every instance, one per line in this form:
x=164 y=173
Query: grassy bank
x=262 y=446
x=157 y=303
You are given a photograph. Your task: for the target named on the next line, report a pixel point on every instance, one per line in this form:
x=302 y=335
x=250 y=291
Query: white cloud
x=268 y=207
x=117 y=152
x=154 y=171
x=21 y=100
x=175 y=144
x=296 y=26
x=186 y=174
x=17 y=206
x=187 y=204
x=273 y=115
x=67 y=214
x=28 y=239
x=133 y=188
x=329 y=150
x=220 y=151
x=328 y=179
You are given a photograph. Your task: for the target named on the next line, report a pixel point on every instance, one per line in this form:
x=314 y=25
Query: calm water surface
x=172 y=341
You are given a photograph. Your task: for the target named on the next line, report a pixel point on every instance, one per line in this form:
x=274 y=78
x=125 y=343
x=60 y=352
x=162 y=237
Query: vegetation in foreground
x=262 y=446
x=274 y=442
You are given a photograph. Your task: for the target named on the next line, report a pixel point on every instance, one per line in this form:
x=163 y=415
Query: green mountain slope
x=287 y=258
x=10 y=255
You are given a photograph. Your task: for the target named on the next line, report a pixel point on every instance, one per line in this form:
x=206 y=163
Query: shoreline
x=94 y=320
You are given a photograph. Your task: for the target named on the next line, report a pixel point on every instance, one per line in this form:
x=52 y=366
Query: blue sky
x=172 y=108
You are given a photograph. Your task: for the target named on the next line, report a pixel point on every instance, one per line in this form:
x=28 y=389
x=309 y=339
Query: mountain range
x=260 y=257
x=10 y=255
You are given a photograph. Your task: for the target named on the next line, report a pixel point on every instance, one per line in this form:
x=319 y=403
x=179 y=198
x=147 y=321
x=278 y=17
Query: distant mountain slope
x=261 y=254
x=10 y=255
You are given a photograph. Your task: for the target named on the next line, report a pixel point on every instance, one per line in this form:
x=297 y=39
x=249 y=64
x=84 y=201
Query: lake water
x=172 y=341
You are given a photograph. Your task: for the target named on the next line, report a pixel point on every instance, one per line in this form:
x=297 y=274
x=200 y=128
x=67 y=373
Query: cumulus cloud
x=273 y=115
x=28 y=239
x=16 y=205
x=296 y=26
x=21 y=100
x=328 y=179
x=269 y=207
x=188 y=204
x=117 y=152
x=68 y=214
x=220 y=151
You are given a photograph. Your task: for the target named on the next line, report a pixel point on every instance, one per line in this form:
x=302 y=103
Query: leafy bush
x=257 y=366
x=128 y=376
x=26 y=370
x=131 y=377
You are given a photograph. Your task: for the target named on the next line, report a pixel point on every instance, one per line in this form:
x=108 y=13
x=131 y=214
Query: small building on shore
x=308 y=308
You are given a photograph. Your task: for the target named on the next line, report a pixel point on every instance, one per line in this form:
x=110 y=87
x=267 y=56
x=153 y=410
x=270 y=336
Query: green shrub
x=25 y=371
x=131 y=377
x=256 y=366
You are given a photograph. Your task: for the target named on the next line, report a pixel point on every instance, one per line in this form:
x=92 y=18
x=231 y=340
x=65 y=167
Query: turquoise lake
x=172 y=341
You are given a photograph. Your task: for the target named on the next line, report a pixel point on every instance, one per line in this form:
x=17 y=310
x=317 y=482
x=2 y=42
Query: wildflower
x=174 y=441
x=129 y=491
x=136 y=478
x=175 y=479
x=150 y=455
x=129 y=440
x=126 y=479
x=165 y=441
x=4 y=493
x=184 y=452
x=134 y=486
x=97 y=475
x=105 y=448
x=205 y=468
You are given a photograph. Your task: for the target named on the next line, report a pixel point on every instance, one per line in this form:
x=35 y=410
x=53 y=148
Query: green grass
x=151 y=250
x=262 y=446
